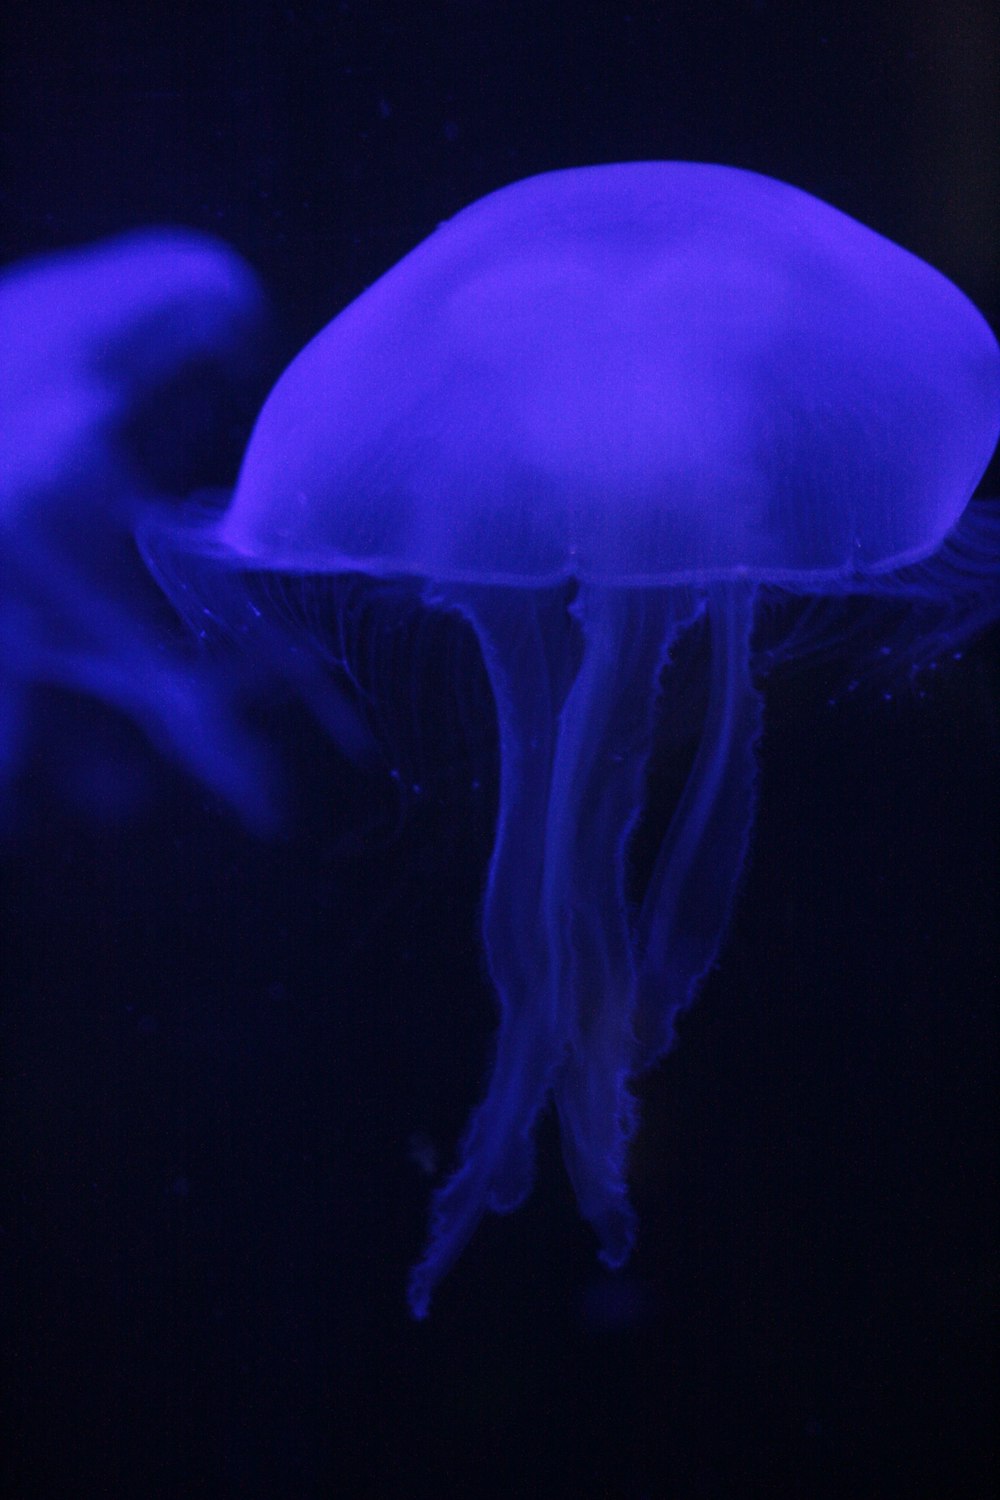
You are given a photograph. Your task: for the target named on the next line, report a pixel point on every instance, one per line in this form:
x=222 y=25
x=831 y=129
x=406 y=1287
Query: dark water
x=229 y=1064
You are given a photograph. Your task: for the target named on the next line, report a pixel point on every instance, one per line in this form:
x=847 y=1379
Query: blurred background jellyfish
x=115 y=360
x=595 y=408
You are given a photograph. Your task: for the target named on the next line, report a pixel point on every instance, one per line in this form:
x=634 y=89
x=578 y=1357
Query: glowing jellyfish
x=589 y=409
x=91 y=338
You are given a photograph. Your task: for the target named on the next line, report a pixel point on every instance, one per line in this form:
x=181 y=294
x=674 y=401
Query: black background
x=222 y=1058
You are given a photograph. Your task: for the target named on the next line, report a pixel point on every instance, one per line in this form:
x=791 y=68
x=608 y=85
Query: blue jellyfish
x=593 y=408
x=91 y=339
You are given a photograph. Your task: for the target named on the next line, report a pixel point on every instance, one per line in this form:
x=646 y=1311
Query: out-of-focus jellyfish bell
x=589 y=409
x=90 y=339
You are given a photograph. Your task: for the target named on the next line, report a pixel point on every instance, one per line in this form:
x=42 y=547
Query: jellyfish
x=93 y=339
x=594 y=408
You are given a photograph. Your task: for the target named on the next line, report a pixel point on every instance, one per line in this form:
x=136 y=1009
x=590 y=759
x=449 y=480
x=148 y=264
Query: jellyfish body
x=592 y=408
x=91 y=338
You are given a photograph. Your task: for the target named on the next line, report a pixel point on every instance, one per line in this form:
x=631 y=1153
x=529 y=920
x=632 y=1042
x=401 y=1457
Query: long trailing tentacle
x=604 y=739
x=685 y=911
x=528 y=650
x=574 y=692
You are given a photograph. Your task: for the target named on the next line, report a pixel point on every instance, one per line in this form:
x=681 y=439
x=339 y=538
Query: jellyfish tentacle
x=683 y=918
x=220 y=606
x=604 y=739
x=182 y=715
x=574 y=740
x=528 y=650
x=100 y=640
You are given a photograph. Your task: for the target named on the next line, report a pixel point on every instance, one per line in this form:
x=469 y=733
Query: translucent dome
x=634 y=373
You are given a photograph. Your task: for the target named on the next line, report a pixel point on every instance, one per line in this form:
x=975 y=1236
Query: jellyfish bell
x=629 y=374
x=672 y=386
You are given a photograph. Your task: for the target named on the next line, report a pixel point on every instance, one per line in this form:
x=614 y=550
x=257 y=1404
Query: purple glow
x=89 y=338
x=629 y=374
x=589 y=410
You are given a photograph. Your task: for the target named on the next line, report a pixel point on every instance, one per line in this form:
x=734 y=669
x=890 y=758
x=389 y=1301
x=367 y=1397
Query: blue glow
x=90 y=338
x=591 y=409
